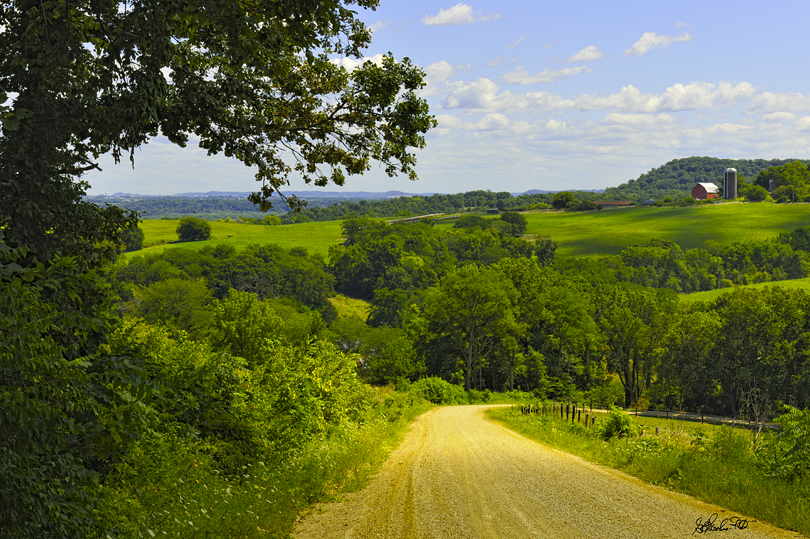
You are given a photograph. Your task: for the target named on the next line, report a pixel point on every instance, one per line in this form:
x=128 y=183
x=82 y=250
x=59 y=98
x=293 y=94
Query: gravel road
x=457 y=475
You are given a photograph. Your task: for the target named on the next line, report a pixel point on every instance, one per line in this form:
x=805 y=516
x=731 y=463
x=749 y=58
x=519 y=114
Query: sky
x=559 y=95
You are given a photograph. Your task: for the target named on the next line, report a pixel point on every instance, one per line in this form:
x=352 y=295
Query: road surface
x=458 y=475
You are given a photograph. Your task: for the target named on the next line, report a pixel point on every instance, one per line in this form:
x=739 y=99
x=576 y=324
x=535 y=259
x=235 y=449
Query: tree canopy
x=252 y=81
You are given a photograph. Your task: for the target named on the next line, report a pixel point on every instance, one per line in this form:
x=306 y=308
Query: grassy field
x=350 y=307
x=803 y=284
x=591 y=233
x=315 y=237
x=609 y=231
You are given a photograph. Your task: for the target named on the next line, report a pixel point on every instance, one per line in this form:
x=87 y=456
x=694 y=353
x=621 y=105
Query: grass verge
x=713 y=464
x=167 y=488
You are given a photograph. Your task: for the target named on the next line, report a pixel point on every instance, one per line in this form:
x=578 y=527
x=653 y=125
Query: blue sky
x=561 y=95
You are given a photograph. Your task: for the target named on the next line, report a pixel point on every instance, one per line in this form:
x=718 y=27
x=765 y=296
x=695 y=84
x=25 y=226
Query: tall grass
x=169 y=488
x=714 y=464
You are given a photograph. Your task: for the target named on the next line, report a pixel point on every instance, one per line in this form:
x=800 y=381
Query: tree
x=193 y=229
x=517 y=221
x=255 y=82
x=472 y=308
x=133 y=239
x=562 y=199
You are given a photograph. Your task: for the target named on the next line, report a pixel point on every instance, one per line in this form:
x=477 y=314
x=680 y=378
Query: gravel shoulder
x=458 y=475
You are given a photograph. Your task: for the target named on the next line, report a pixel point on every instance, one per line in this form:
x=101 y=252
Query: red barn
x=703 y=191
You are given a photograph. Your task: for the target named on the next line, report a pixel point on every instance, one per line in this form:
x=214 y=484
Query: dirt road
x=457 y=475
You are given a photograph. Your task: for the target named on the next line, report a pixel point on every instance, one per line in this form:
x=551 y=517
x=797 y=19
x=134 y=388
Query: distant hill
x=677 y=178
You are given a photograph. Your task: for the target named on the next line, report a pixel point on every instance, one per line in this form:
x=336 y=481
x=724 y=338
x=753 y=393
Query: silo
x=730 y=184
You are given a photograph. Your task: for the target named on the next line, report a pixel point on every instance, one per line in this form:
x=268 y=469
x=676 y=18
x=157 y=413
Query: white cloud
x=588 y=54
x=769 y=102
x=651 y=40
x=779 y=117
x=496 y=62
x=436 y=77
x=459 y=14
x=517 y=43
x=353 y=63
x=683 y=24
x=379 y=25
x=485 y=95
x=637 y=119
x=803 y=124
x=521 y=76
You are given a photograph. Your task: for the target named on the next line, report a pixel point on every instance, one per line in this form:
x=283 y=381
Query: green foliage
x=177 y=303
x=517 y=221
x=133 y=239
x=65 y=409
x=562 y=200
x=787 y=454
x=193 y=229
x=438 y=391
x=618 y=424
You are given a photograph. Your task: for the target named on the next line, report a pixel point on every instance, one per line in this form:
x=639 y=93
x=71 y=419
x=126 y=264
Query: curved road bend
x=458 y=475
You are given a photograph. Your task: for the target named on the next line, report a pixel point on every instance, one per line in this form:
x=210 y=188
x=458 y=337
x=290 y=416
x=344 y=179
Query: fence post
x=586 y=421
x=579 y=415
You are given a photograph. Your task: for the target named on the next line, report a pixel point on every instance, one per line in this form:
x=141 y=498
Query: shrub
x=757 y=194
x=618 y=425
x=439 y=391
x=193 y=229
x=787 y=455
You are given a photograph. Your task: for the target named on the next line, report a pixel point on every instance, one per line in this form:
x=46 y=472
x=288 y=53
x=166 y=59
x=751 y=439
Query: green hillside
x=803 y=284
x=609 y=231
x=315 y=237
x=677 y=177
x=592 y=233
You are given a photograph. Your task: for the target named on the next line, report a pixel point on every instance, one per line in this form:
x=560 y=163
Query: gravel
x=458 y=475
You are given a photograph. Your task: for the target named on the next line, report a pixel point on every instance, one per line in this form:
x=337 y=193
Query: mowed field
x=592 y=233
x=710 y=295
x=606 y=232
x=315 y=237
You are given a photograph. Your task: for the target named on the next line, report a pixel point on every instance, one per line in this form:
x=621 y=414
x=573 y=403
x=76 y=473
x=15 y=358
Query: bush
x=438 y=391
x=193 y=229
x=618 y=425
x=757 y=194
x=787 y=455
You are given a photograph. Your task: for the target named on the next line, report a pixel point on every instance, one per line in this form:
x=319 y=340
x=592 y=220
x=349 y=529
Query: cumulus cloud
x=638 y=119
x=353 y=63
x=651 y=40
x=769 y=102
x=803 y=124
x=517 y=43
x=521 y=76
x=484 y=94
x=683 y=24
x=588 y=54
x=436 y=77
x=459 y=14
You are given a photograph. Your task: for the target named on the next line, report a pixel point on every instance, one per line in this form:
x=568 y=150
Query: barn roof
x=709 y=187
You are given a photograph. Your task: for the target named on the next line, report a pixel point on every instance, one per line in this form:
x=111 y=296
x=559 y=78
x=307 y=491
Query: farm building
x=703 y=191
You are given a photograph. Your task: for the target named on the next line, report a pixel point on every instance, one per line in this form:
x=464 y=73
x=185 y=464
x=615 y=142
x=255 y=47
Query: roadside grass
x=710 y=295
x=715 y=464
x=316 y=238
x=349 y=307
x=173 y=490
